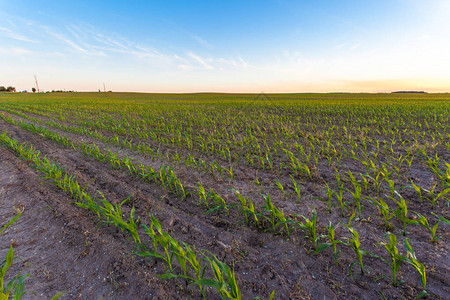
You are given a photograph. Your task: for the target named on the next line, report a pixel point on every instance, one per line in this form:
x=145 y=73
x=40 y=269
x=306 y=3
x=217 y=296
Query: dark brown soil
x=64 y=248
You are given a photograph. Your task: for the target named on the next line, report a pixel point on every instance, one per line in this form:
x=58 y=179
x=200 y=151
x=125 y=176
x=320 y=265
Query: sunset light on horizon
x=226 y=46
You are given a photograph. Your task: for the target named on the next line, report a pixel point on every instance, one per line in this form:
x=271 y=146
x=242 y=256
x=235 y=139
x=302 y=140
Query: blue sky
x=228 y=46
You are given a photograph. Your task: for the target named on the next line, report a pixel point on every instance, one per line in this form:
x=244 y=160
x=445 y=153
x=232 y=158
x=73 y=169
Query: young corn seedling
x=276 y=217
x=310 y=226
x=332 y=242
x=329 y=193
x=247 y=208
x=391 y=184
x=418 y=191
x=17 y=283
x=224 y=278
x=435 y=197
x=395 y=258
x=203 y=197
x=365 y=182
x=280 y=187
x=402 y=211
x=163 y=239
x=352 y=178
x=195 y=264
x=114 y=215
x=355 y=244
x=420 y=268
x=296 y=188
x=423 y=221
x=230 y=172
x=340 y=199
x=357 y=198
x=386 y=213
x=376 y=180
x=219 y=201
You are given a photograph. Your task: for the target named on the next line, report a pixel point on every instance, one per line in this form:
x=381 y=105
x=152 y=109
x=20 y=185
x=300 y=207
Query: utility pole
x=104 y=88
x=37 y=85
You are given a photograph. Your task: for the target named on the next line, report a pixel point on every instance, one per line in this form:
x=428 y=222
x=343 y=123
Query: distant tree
x=33 y=90
x=2 y=89
x=10 y=89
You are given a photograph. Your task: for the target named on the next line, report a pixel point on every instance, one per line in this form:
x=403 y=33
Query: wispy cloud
x=16 y=36
x=201 y=41
x=201 y=61
x=65 y=40
x=84 y=39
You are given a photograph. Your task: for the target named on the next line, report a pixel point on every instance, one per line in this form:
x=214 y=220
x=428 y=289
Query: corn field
x=235 y=196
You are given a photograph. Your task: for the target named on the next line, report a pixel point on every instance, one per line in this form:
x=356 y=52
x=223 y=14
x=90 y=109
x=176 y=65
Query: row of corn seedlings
x=165 y=247
x=141 y=128
x=166 y=177
x=269 y=213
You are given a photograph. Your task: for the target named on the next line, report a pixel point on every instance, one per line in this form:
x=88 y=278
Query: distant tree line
x=7 y=89
x=409 y=92
x=13 y=89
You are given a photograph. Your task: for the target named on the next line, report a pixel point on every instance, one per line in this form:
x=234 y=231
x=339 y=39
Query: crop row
x=167 y=177
x=160 y=245
x=270 y=214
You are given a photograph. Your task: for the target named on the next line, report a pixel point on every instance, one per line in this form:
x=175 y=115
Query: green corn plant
x=281 y=187
x=17 y=283
x=332 y=242
x=338 y=177
x=418 y=191
x=202 y=194
x=435 y=197
x=305 y=169
x=423 y=221
x=296 y=188
x=195 y=263
x=357 y=198
x=376 y=180
x=355 y=245
x=329 y=193
x=365 y=182
x=224 y=278
x=230 y=172
x=420 y=267
x=276 y=217
x=391 y=184
x=352 y=178
x=310 y=226
x=396 y=259
x=219 y=201
x=247 y=208
x=402 y=211
x=340 y=199
x=163 y=239
x=180 y=254
x=386 y=213
x=129 y=165
x=114 y=215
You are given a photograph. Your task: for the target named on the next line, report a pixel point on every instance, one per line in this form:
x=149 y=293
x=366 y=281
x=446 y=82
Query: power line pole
x=37 y=85
x=104 y=88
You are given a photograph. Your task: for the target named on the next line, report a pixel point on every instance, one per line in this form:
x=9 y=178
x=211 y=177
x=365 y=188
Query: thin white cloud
x=200 y=61
x=201 y=41
x=13 y=35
